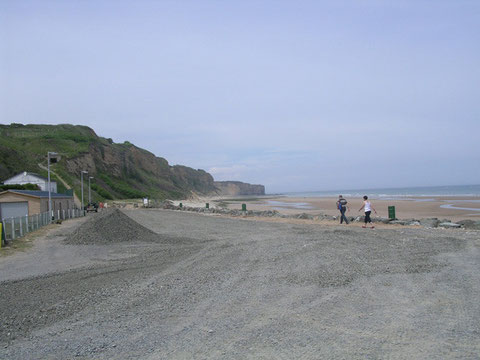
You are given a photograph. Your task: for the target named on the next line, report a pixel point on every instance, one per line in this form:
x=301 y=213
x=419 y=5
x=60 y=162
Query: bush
x=102 y=192
x=19 y=187
x=122 y=188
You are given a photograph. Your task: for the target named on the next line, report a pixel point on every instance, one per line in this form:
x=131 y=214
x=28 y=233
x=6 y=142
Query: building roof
x=25 y=173
x=36 y=193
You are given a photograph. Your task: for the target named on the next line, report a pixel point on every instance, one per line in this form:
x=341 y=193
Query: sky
x=294 y=95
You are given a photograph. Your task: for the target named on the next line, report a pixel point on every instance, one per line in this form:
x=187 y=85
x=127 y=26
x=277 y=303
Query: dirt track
x=213 y=287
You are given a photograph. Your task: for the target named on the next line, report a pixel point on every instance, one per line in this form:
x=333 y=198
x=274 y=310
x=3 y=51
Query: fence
x=14 y=228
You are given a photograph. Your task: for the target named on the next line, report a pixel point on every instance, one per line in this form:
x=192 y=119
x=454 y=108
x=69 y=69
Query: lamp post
x=81 y=176
x=89 y=192
x=52 y=157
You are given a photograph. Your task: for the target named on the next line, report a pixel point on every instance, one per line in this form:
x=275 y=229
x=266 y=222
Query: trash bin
x=181 y=205
x=391 y=212
x=244 y=207
x=207 y=205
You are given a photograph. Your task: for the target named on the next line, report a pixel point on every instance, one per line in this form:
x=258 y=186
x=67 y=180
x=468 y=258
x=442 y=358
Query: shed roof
x=36 y=193
x=25 y=173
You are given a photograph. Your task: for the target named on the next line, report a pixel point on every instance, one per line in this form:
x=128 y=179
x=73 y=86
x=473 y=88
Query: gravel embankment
x=203 y=287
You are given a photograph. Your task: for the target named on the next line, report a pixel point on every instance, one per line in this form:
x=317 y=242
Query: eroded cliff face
x=118 y=160
x=140 y=169
x=233 y=188
x=199 y=180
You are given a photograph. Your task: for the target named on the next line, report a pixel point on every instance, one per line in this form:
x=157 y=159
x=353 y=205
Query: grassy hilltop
x=120 y=170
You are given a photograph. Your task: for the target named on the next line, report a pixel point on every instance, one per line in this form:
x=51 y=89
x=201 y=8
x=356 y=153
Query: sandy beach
x=441 y=207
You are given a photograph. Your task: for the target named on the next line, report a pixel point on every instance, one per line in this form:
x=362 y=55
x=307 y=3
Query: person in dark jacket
x=342 y=207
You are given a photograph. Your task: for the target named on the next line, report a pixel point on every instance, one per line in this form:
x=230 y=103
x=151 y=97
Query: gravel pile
x=111 y=226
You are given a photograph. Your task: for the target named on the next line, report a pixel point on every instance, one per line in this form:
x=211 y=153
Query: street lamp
x=52 y=157
x=81 y=176
x=89 y=192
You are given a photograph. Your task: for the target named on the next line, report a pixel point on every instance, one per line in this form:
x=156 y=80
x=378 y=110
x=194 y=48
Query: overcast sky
x=295 y=95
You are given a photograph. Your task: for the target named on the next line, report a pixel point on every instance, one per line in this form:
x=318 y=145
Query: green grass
x=104 y=194
x=19 y=244
x=122 y=187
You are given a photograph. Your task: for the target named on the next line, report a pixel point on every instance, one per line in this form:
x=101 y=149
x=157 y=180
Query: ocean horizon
x=417 y=191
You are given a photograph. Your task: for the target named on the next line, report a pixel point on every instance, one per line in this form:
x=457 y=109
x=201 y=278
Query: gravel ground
x=204 y=287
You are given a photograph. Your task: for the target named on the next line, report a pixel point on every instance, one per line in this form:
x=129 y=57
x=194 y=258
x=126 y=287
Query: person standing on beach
x=342 y=207
x=368 y=210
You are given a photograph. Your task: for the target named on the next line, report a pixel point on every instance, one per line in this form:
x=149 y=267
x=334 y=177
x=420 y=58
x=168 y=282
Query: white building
x=32 y=178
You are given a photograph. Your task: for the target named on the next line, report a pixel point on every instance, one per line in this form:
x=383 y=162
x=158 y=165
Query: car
x=92 y=207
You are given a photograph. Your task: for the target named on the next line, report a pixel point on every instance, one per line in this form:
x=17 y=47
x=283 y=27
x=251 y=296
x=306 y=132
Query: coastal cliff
x=119 y=170
x=233 y=188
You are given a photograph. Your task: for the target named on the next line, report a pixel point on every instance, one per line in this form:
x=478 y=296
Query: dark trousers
x=367 y=217
x=343 y=217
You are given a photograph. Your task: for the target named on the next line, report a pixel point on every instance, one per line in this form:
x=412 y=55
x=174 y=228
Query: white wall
x=26 y=178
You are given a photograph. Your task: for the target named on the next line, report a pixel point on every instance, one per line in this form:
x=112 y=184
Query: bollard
x=391 y=212
x=13 y=229
x=3 y=237
x=244 y=207
x=3 y=234
x=207 y=205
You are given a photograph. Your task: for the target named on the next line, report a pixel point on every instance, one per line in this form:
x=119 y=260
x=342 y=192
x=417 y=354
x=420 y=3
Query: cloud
x=234 y=172
x=318 y=95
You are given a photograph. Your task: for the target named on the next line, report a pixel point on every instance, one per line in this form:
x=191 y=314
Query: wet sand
x=442 y=207
x=454 y=208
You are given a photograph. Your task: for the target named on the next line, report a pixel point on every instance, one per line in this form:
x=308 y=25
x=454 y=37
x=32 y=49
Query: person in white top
x=368 y=210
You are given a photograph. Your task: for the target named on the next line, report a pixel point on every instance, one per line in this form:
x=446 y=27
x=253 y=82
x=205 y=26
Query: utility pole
x=89 y=192
x=81 y=176
x=52 y=157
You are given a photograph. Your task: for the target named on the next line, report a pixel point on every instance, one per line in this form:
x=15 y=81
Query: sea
x=472 y=191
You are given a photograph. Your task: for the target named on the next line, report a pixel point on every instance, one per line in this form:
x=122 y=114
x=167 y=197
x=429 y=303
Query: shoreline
x=454 y=208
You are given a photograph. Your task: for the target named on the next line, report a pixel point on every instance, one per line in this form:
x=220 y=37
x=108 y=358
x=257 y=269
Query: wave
x=382 y=193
